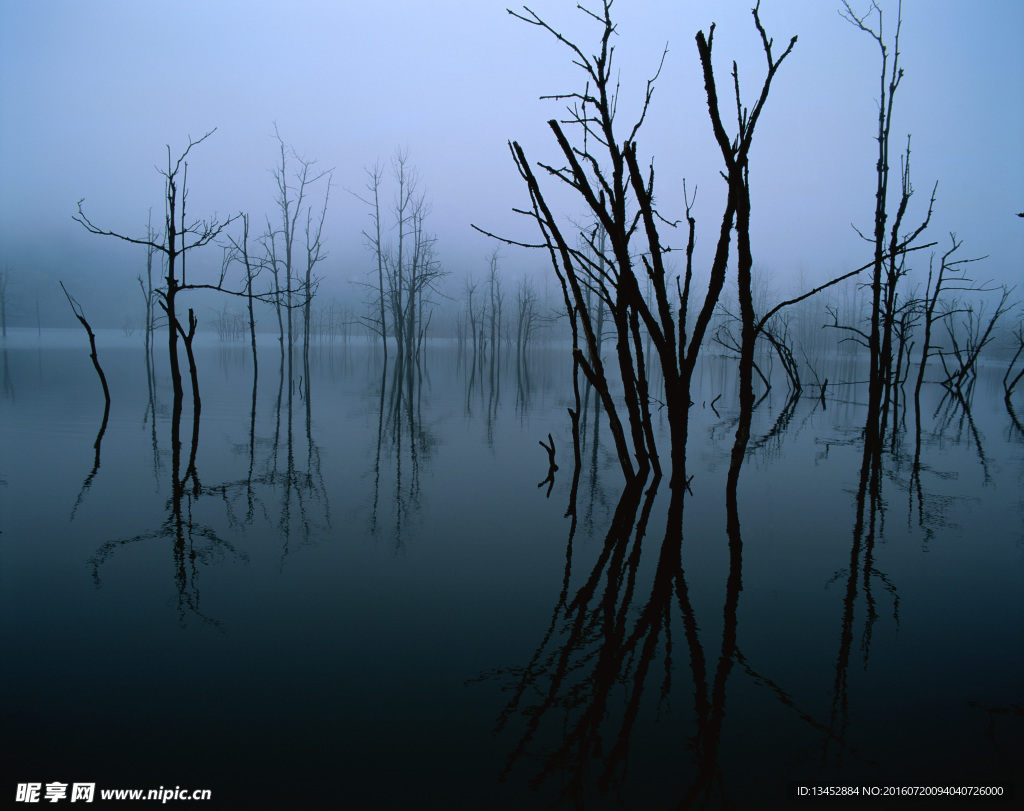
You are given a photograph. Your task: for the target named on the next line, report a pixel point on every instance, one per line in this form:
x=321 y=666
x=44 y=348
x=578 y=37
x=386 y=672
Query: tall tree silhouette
x=180 y=237
x=621 y=256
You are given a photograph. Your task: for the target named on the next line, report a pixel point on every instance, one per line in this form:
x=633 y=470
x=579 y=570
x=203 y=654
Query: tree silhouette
x=179 y=238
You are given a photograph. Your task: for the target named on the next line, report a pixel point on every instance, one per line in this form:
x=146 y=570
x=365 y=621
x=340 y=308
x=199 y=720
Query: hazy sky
x=92 y=92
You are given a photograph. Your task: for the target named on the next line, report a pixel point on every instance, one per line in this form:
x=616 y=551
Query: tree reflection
x=588 y=657
x=590 y=437
x=284 y=483
x=610 y=656
x=276 y=487
x=405 y=441
x=9 y=385
x=523 y=386
x=859 y=575
x=87 y=483
x=612 y=641
x=192 y=541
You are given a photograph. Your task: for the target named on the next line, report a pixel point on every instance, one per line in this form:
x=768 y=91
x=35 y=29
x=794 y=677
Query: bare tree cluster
x=288 y=259
x=231 y=325
x=288 y=250
x=408 y=269
x=619 y=261
x=331 y=321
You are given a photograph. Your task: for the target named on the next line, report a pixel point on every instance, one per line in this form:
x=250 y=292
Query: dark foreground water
x=358 y=594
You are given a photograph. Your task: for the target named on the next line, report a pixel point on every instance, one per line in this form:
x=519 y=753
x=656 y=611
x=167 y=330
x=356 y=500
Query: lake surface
x=353 y=590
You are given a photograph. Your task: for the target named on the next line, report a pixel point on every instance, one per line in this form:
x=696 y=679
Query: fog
x=92 y=96
x=765 y=556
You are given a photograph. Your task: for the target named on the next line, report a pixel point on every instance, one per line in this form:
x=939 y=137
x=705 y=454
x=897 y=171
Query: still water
x=352 y=589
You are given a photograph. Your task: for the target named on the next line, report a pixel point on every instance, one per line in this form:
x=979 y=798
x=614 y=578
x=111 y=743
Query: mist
x=567 y=407
x=95 y=96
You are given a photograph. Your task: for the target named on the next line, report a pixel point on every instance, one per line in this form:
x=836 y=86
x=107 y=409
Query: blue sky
x=91 y=94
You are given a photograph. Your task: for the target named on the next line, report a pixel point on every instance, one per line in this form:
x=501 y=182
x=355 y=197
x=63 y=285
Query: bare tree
x=373 y=240
x=603 y=169
x=735 y=153
x=148 y=292
x=315 y=254
x=597 y=170
x=80 y=315
x=397 y=260
x=421 y=274
x=1010 y=384
x=527 y=316
x=969 y=336
x=293 y=188
x=889 y=265
x=252 y=265
x=179 y=238
x=935 y=288
x=408 y=268
x=496 y=298
x=471 y=314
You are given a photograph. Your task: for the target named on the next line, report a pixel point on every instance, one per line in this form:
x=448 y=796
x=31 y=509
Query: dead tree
x=889 y=265
x=472 y=315
x=148 y=292
x=409 y=267
x=315 y=254
x=527 y=317
x=597 y=170
x=293 y=188
x=935 y=288
x=1008 y=384
x=779 y=336
x=76 y=308
x=397 y=259
x=180 y=237
x=252 y=266
x=974 y=335
x=724 y=337
x=373 y=240
x=496 y=298
x=552 y=467
x=422 y=274
x=735 y=153
x=603 y=168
